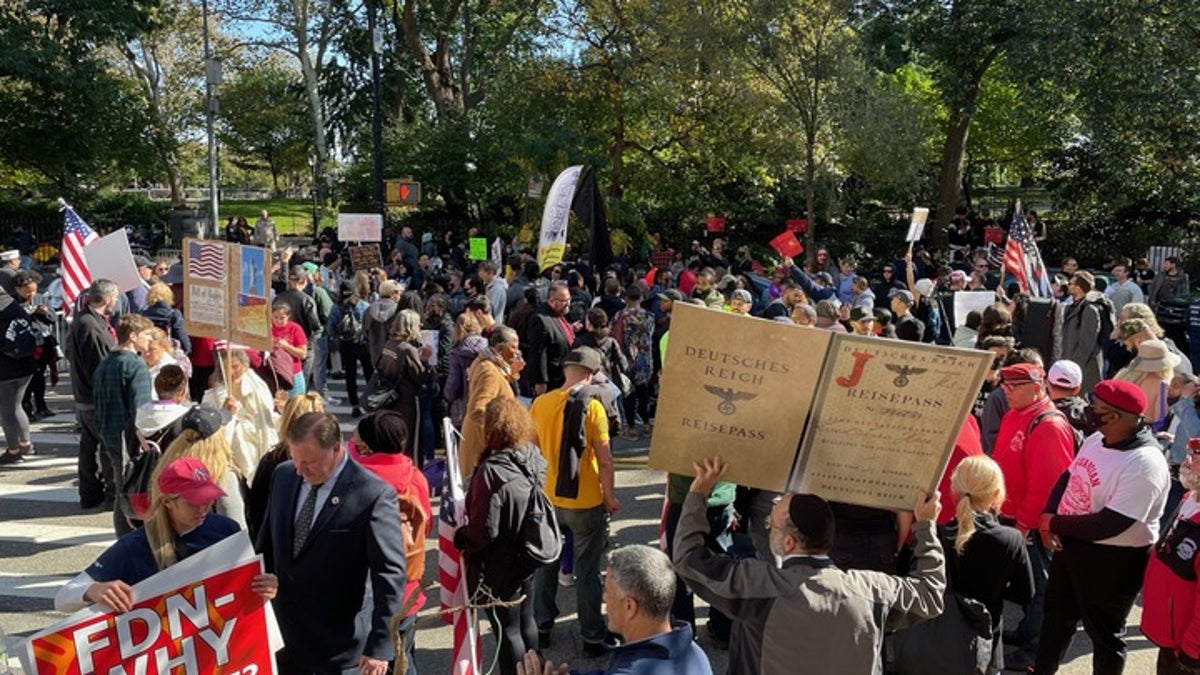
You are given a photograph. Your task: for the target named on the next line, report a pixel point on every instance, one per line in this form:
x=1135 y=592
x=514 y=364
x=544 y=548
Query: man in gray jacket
x=1081 y=328
x=844 y=613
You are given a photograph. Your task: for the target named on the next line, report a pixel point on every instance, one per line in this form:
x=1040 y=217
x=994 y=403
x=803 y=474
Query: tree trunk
x=810 y=197
x=174 y=180
x=320 y=146
x=950 y=183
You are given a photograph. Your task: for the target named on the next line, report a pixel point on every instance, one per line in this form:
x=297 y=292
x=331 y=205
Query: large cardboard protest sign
x=738 y=387
x=365 y=258
x=110 y=257
x=227 y=292
x=196 y=617
x=885 y=418
x=855 y=419
x=966 y=302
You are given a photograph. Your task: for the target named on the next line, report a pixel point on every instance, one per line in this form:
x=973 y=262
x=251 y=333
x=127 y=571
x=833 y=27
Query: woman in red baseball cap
x=180 y=524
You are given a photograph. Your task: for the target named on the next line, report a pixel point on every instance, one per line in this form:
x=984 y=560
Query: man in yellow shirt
x=573 y=434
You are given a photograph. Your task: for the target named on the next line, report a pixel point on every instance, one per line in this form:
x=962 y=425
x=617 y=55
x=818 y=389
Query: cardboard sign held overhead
x=787 y=245
x=227 y=292
x=858 y=420
x=916 y=229
x=363 y=258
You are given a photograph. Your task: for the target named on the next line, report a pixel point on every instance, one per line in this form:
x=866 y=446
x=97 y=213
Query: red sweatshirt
x=1032 y=465
x=1170 y=594
x=966 y=445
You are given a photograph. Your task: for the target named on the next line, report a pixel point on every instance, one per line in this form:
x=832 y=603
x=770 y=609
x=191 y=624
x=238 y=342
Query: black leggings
x=515 y=629
x=352 y=356
x=638 y=401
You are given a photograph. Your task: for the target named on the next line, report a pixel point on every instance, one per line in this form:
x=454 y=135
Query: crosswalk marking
x=59 y=535
x=40 y=586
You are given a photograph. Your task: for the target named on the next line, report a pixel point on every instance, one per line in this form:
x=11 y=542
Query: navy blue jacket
x=170 y=320
x=673 y=653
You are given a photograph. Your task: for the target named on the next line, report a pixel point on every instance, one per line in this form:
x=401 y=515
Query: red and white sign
x=714 y=224
x=210 y=623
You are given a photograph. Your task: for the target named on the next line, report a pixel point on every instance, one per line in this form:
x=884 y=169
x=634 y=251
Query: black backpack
x=1107 y=312
x=1076 y=433
x=21 y=339
x=349 y=328
x=541 y=540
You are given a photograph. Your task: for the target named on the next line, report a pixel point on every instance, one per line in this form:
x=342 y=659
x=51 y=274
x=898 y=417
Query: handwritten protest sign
x=855 y=419
x=363 y=258
x=198 y=616
x=227 y=292
x=360 y=227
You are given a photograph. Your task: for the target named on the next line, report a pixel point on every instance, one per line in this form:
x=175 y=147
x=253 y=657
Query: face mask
x=1188 y=477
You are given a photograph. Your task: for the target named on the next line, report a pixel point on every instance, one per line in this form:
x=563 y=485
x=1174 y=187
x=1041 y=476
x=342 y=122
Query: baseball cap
x=1022 y=372
x=10 y=255
x=960 y=276
x=672 y=295
x=1124 y=396
x=204 y=419
x=584 y=357
x=310 y=267
x=904 y=295
x=861 y=314
x=825 y=278
x=142 y=261
x=1065 y=374
x=189 y=478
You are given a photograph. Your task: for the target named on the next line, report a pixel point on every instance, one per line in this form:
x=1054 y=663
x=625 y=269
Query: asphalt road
x=45 y=539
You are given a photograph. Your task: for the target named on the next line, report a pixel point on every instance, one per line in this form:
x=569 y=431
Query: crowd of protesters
x=1071 y=488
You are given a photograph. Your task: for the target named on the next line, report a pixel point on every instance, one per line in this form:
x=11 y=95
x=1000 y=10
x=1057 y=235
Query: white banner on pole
x=552 y=242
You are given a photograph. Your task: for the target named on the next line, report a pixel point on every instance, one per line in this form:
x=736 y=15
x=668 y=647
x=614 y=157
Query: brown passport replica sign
x=854 y=419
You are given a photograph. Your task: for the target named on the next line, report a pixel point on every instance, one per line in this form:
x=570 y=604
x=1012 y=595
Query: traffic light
x=402 y=192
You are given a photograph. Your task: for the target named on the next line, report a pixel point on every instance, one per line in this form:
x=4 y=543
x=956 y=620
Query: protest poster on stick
x=360 y=227
x=227 y=292
x=916 y=228
x=886 y=415
x=479 y=248
x=966 y=302
x=364 y=258
x=110 y=257
x=738 y=387
x=198 y=616
x=854 y=419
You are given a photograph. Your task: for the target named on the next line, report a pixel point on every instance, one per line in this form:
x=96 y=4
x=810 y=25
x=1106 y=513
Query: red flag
x=714 y=224
x=797 y=225
x=787 y=245
x=75 y=274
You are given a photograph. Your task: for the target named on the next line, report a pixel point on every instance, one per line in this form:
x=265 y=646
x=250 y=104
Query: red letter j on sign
x=860 y=363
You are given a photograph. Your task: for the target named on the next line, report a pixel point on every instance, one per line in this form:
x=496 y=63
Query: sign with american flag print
x=227 y=292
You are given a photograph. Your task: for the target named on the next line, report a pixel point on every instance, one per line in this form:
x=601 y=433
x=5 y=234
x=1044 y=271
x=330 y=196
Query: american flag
x=206 y=260
x=75 y=275
x=1022 y=258
x=450 y=566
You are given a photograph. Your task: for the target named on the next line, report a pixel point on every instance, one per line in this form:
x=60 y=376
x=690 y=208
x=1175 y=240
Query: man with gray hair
x=638 y=591
x=89 y=340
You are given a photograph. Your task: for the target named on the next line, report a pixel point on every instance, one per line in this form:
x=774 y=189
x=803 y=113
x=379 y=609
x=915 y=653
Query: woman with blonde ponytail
x=181 y=523
x=986 y=561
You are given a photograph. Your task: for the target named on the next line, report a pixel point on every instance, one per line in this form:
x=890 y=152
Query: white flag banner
x=552 y=242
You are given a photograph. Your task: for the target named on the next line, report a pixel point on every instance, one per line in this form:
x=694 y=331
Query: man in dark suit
x=330 y=526
x=550 y=338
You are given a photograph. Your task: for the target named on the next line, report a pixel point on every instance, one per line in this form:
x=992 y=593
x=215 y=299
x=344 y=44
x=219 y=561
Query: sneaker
x=356 y=412
x=566 y=580
x=329 y=400
x=10 y=457
x=44 y=413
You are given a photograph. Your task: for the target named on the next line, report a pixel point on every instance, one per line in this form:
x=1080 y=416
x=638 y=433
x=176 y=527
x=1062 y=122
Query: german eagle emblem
x=728 y=396
x=902 y=373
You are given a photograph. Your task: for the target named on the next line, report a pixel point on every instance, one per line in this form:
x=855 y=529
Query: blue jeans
x=589 y=527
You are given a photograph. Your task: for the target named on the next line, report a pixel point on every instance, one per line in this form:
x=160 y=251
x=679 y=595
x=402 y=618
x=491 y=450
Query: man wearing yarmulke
x=1101 y=519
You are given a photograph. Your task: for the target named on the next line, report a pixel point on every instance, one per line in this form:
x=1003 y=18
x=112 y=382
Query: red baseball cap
x=1022 y=372
x=1124 y=396
x=189 y=478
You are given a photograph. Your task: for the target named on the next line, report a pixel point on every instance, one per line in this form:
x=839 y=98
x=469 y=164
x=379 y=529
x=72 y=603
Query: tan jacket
x=485 y=381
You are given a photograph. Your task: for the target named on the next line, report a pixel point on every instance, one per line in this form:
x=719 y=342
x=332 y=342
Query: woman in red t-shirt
x=289 y=336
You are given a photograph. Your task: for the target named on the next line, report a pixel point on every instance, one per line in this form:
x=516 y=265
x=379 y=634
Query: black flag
x=588 y=206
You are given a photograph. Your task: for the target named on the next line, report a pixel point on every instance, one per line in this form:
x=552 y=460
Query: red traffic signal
x=402 y=192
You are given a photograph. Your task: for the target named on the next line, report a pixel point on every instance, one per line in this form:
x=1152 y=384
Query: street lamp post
x=376 y=103
x=212 y=78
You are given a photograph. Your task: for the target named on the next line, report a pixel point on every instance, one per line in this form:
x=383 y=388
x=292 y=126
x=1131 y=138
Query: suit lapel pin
x=335 y=501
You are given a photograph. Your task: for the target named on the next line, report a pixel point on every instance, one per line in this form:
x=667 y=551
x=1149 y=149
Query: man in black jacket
x=90 y=339
x=908 y=327
x=550 y=338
